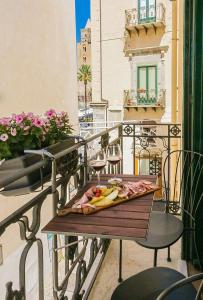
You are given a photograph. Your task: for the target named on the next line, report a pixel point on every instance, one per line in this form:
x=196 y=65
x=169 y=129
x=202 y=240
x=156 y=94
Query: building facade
x=84 y=58
x=131 y=58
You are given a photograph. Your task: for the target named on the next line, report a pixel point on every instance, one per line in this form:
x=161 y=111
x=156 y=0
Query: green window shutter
x=152 y=84
x=142 y=6
x=152 y=10
x=146 y=11
x=147 y=84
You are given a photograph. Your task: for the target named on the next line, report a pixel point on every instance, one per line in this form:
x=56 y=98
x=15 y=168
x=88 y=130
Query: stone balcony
x=144 y=99
x=134 y=23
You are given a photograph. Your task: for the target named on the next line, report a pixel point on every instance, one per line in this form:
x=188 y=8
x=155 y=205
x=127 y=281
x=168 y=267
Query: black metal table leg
x=169 y=254
x=120 y=261
x=155 y=257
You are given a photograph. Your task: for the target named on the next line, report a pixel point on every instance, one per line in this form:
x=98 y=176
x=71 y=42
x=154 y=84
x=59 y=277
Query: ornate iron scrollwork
x=94 y=248
x=13 y=294
x=155 y=166
x=128 y=129
x=144 y=142
x=175 y=130
x=174 y=207
x=71 y=249
x=105 y=245
x=81 y=274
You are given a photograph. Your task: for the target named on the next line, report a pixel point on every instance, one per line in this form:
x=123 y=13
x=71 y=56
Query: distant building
x=132 y=58
x=84 y=58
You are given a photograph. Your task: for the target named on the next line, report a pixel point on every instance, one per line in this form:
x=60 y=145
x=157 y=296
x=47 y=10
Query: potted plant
x=33 y=132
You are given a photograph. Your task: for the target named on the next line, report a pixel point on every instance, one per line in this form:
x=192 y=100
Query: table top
x=128 y=220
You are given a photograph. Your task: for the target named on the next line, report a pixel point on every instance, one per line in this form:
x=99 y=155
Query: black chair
x=158 y=284
x=164 y=227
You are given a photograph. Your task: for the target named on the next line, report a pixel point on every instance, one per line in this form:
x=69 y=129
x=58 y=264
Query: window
x=147 y=11
x=147 y=85
x=84 y=59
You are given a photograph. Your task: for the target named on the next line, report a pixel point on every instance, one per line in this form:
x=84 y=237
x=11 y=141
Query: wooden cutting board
x=91 y=210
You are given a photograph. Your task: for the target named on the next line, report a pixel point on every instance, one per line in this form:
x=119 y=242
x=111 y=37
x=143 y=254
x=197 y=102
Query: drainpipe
x=101 y=66
x=174 y=62
x=174 y=85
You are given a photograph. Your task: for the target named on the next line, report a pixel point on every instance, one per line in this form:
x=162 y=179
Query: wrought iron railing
x=133 y=19
x=145 y=98
x=146 y=145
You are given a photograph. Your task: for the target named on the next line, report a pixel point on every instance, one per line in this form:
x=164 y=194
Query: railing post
x=54 y=239
x=169 y=171
x=120 y=132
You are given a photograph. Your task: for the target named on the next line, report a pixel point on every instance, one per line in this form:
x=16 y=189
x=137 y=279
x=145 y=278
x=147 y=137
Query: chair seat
x=148 y=284
x=164 y=230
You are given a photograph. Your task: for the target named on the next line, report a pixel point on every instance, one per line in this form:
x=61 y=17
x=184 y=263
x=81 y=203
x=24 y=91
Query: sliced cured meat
x=83 y=199
x=133 y=188
x=90 y=193
x=146 y=182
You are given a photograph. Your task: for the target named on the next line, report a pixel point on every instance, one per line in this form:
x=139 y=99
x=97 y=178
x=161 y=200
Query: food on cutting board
x=102 y=196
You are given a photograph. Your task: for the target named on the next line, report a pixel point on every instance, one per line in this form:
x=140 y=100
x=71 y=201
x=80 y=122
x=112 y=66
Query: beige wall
x=38 y=64
x=37 y=71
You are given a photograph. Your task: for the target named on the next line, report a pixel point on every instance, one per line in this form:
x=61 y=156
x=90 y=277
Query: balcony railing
x=146 y=145
x=133 y=20
x=137 y=98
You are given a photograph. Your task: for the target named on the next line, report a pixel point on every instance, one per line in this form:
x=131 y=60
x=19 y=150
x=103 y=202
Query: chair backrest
x=183 y=175
x=183 y=183
x=181 y=284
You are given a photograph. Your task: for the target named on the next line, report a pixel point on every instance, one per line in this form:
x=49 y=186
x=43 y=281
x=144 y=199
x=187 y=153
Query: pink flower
x=38 y=122
x=50 y=113
x=63 y=113
x=30 y=115
x=13 y=131
x=5 y=121
x=4 y=137
x=19 y=118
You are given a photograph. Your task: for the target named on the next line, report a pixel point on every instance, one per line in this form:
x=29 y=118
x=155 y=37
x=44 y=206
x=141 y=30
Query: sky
x=82 y=11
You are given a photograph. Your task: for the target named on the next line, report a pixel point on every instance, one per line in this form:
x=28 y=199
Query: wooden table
x=125 y=221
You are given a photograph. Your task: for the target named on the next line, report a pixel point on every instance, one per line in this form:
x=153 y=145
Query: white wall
x=37 y=56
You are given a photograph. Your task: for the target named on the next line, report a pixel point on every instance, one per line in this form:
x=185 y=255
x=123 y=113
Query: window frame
x=147 y=80
x=148 y=19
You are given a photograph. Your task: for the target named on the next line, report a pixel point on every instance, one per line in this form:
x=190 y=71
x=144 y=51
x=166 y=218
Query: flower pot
x=35 y=179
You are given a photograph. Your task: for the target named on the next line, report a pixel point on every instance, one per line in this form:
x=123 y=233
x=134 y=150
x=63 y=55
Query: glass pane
x=142 y=83
x=143 y=9
x=144 y=167
x=152 y=82
x=152 y=8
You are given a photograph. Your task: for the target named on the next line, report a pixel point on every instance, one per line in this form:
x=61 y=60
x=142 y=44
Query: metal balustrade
x=132 y=16
x=146 y=98
x=146 y=145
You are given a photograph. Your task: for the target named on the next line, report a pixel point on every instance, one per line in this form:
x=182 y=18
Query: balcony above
x=134 y=99
x=135 y=23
